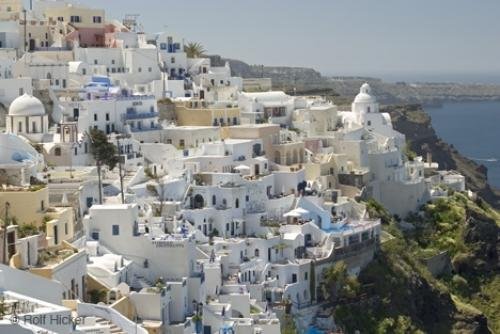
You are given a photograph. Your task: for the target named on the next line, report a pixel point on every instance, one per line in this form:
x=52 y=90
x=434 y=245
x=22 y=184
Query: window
x=369 y=123
x=214 y=200
x=172 y=60
x=294 y=278
x=256 y=252
x=84 y=71
x=57 y=151
x=95 y=117
x=97 y=19
x=112 y=61
x=116 y=229
x=150 y=69
x=95 y=61
x=60 y=19
x=139 y=70
x=33 y=127
x=237 y=203
x=75 y=19
x=76 y=151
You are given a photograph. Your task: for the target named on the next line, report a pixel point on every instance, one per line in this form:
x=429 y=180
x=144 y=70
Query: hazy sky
x=366 y=37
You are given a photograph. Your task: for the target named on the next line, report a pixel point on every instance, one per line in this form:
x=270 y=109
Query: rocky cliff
x=284 y=78
x=416 y=125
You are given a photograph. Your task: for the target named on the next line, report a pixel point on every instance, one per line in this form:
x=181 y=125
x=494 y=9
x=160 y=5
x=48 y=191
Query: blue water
x=474 y=129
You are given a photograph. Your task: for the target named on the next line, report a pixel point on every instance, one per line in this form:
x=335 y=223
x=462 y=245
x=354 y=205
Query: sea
x=474 y=130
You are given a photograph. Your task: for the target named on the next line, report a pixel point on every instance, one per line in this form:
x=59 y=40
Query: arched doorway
x=198 y=201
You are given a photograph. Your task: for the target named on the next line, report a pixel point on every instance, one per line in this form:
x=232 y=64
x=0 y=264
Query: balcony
x=143 y=128
x=132 y=114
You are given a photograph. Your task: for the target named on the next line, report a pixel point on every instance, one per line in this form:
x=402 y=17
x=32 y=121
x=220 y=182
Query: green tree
x=104 y=153
x=338 y=284
x=194 y=50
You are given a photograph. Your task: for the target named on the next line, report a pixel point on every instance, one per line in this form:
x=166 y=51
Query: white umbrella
x=242 y=167
x=299 y=212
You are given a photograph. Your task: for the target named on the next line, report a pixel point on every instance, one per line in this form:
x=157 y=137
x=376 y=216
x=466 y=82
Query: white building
x=276 y=107
x=27 y=118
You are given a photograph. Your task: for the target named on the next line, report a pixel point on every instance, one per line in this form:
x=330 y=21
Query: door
x=257 y=169
x=56 y=235
x=11 y=242
x=32 y=44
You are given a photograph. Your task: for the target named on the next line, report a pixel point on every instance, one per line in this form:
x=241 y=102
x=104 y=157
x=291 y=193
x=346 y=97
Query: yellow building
x=322 y=170
x=77 y=16
x=28 y=205
x=198 y=113
x=269 y=133
x=60 y=225
x=10 y=9
x=288 y=153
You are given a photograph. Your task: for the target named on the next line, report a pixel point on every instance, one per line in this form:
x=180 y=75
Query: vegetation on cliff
x=402 y=294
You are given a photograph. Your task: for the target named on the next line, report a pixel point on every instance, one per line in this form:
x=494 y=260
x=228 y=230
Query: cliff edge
x=416 y=124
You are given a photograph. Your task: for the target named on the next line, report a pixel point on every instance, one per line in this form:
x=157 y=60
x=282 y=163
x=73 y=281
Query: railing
x=113 y=316
x=140 y=115
x=341 y=253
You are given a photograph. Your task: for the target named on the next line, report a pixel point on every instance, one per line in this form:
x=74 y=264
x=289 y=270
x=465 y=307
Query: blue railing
x=140 y=115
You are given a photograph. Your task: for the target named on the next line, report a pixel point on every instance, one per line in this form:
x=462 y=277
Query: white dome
x=26 y=105
x=15 y=150
x=365 y=95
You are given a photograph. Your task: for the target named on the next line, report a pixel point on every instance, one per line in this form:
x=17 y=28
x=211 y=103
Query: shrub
x=460 y=284
x=462 y=263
